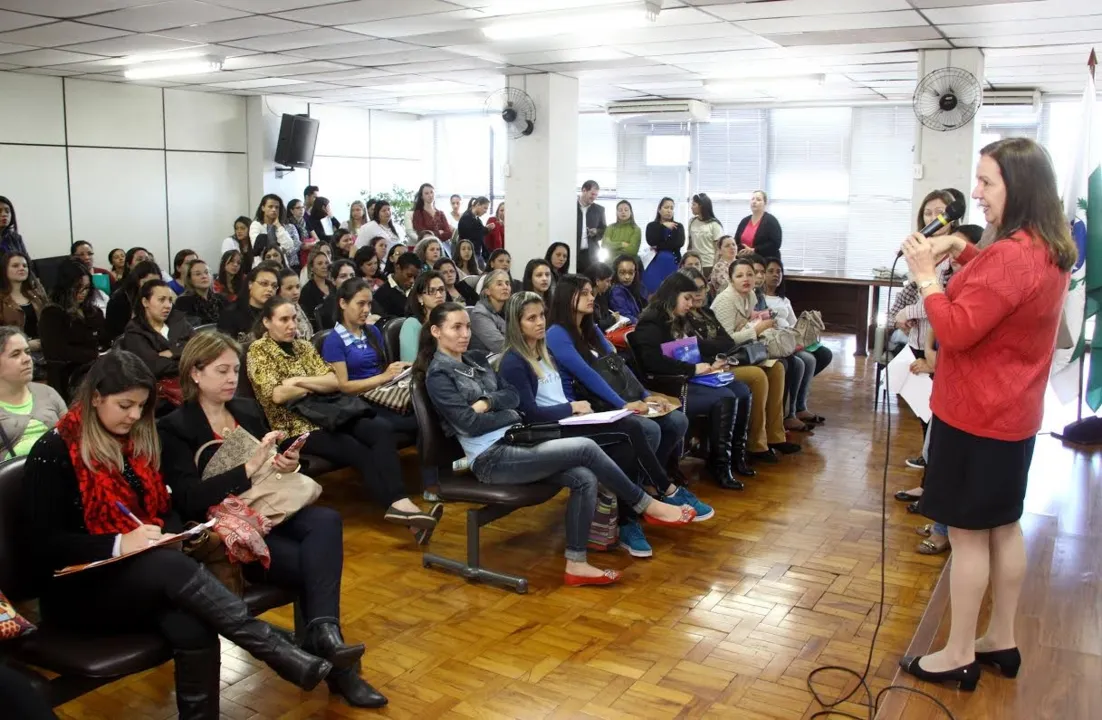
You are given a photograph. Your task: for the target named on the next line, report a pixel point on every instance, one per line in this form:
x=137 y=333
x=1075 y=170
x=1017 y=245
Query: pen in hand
x=128 y=514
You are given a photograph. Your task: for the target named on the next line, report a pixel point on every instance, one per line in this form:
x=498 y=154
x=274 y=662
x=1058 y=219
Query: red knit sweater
x=996 y=329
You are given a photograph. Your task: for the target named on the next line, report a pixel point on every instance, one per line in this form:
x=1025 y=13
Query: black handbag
x=331 y=410
x=614 y=371
x=532 y=434
x=752 y=353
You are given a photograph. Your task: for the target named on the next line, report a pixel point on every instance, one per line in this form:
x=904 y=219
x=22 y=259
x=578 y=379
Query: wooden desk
x=843 y=301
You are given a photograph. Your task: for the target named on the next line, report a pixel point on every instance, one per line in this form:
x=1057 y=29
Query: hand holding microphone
x=952 y=213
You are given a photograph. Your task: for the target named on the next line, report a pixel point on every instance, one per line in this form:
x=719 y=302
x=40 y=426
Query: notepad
x=595 y=418
x=165 y=540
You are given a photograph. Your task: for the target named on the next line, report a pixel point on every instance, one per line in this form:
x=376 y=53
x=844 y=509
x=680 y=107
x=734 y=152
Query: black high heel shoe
x=966 y=677
x=1007 y=661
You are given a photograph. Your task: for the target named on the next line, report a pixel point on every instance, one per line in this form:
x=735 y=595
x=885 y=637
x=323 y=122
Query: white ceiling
x=431 y=55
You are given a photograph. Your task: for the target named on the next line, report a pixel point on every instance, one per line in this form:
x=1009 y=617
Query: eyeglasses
x=265 y=284
x=435 y=291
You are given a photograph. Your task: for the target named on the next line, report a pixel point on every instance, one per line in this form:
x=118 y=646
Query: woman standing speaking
x=996 y=325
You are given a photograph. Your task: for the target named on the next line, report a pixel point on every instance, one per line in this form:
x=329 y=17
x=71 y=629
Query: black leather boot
x=742 y=432
x=210 y=601
x=197 y=683
x=720 y=430
x=323 y=639
x=356 y=691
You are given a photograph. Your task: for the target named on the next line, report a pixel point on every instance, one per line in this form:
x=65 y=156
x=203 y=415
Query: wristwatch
x=925 y=284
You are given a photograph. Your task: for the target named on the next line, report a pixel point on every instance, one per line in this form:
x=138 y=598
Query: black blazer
x=656 y=238
x=71 y=338
x=389 y=302
x=594 y=218
x=183 y=432
x=654 y=328
x=192 y=306
x=55 y=512
x=471 y=228
x=321 y=229
x=767 y=240
x=147 y=344
x=311 y=297
x=237 y=320
x=119 y=312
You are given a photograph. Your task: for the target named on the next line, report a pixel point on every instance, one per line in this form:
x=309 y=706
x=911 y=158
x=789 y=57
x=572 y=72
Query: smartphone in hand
x=297 y=444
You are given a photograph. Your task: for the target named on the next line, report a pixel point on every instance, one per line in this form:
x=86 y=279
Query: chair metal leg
x=471 y=569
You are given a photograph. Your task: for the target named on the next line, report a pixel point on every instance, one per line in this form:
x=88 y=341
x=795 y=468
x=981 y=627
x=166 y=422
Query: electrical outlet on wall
x=917 y=170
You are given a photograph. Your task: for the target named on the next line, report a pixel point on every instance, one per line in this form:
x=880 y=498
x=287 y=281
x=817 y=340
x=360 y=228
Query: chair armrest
x=672 y=385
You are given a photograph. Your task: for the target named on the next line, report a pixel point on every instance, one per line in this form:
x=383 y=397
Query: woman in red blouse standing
x=495 y=230
x=426 y=218
x=759 y=232
x=996 y=325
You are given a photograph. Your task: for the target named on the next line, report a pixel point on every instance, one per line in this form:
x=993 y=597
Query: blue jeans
x=801 y=368
x=573 y=463
x=664 y=433
x=700 y=399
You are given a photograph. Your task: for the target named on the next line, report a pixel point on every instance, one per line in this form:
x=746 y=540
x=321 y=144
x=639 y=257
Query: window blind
x=644 y=185
x=462 y=156
x=729 y=160
x=597 y=151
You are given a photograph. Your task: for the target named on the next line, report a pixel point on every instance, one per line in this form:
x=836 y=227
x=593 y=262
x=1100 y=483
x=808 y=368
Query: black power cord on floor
x=873 y=704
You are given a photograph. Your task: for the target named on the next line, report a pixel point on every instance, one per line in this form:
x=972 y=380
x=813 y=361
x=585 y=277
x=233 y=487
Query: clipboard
x=165 y=540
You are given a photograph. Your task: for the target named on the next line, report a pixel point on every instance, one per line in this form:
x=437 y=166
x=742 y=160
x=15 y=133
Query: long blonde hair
x=514 y=335
x=112 y=373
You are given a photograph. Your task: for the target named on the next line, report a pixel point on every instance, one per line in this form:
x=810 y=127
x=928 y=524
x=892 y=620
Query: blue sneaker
x=684 y=497
x=633 y=540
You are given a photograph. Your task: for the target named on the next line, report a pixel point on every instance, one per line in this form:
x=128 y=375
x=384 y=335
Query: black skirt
x=972 y=482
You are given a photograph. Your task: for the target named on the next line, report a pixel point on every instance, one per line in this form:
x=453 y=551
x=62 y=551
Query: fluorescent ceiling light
x=196 y=52
x=560 y=24
x=197 y=66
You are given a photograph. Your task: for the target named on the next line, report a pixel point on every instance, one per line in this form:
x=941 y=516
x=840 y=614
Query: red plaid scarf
x=101 y=487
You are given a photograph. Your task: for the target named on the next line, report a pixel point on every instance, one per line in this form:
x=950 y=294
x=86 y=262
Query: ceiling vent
x=661 y=110
x=1024 y=97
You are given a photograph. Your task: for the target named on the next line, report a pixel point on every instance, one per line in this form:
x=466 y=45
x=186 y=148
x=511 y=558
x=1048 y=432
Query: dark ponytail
x=345 y=293
x=267 y=310
x=426 y=343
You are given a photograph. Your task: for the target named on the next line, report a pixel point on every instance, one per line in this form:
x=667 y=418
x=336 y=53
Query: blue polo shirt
x=356 y=353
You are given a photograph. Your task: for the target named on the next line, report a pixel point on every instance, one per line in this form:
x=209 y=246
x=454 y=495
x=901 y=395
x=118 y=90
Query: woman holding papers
x=996 y=326
x=530 y=369
x=478 y=407
x=667 y=319
x=306 y=548
x=95 y=490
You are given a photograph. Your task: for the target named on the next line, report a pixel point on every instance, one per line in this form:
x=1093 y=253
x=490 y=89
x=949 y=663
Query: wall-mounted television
x=297 y=136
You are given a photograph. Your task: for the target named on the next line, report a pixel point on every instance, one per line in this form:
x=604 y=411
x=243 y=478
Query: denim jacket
x=454 y=386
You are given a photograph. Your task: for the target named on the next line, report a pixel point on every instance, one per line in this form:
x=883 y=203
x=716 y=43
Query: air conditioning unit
x=1024 y=97
x=661 y=110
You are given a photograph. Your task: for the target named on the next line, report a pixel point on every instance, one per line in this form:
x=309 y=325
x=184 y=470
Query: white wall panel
x=267 y=113
x=206 y=192
x=33 y=178
x=118 y=199
x=342 y=131
x=341 y=180
x=204 y=121
x=396 y=135
x=114 y=115
x=35 y=113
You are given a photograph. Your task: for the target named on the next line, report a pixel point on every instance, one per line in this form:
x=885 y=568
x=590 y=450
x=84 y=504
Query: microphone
x=952 y=213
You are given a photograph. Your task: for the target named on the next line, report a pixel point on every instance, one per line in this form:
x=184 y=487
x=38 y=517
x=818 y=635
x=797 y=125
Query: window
x=667 y=150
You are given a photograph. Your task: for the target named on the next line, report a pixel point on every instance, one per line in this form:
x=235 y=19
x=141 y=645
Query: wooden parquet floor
x=725 y=621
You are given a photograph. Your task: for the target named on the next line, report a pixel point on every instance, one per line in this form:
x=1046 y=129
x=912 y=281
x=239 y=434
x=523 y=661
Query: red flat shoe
x=609 y=577
x=687 y=515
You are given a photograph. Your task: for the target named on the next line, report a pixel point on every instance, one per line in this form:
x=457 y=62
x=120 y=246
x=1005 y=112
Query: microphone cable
x=873 y=704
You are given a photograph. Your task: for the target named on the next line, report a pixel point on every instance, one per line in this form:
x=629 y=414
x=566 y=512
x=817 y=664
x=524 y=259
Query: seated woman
x=691 y=259
x=454 y=290
x=575 y=343
x=88 y=483
x=487 y=317
x=157 y=335
x=71 y=326
x=272 y=254
x=477 y=407
x=22 y=297
x=327 y=314
x=355 y=352
x=466 y=259
x=530 y=369
x=200 y=303
x=179 y=263
x=786 y=318
x=289 y=289
x=28 y=410
x=734 y=308
x=600 y=274
x=306 y=549
x=726 y=252
x=558 y=257
x=537 y=279
x=120 y=308
x=667 y=319
x=317 y=285
x=228 y=280
x=367 y=266
x=283 y=370
x=428 y=292
x=429 y=250
x=500 y=259
x=766 y=383
x=627 y=296
x=239 y=320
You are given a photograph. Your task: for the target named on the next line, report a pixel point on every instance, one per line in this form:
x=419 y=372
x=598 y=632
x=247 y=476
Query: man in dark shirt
x=390 y=298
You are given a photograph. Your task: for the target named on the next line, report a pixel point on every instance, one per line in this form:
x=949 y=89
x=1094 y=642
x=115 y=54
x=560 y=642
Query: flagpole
x=1092 y=61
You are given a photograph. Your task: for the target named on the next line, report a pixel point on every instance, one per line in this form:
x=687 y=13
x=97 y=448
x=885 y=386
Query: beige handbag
x=275 y=495
x=809 y=327
x=394 y=396
x=780 y=342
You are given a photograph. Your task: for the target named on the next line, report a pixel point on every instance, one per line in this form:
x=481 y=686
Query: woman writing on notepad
x=478 y=407
x=95 y=490
x=529 y=368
